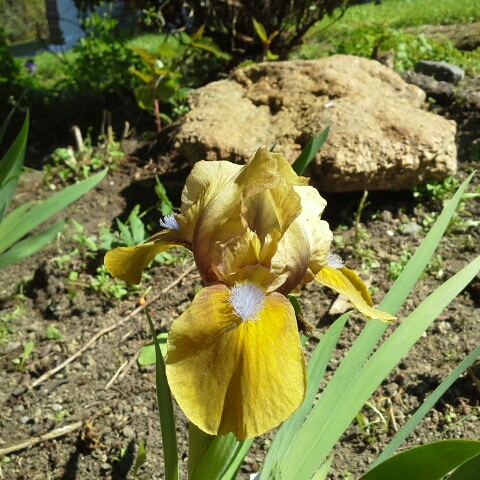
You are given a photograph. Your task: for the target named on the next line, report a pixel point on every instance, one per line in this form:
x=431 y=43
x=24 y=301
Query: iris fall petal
x=338 y=280
x=128 y=263
x=235 y=375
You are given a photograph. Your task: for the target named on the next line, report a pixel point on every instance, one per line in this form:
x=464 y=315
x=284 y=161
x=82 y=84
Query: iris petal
x=341 y=282
x=128 y=263
x=230 y=375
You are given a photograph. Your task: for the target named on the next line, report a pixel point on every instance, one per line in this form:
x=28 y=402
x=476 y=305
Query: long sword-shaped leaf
x=30 y=245
x=11 y=166
x=309 y=152
x=470 y=470
x=315 y=372
x=165 y=411
x=340 y=384
x=6 y=121
x=221 y=459
x=44 y=210
x=319 y=434
x=419 y=415
x=428 y=462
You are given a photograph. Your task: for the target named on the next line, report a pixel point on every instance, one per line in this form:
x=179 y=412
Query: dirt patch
x=115 y=399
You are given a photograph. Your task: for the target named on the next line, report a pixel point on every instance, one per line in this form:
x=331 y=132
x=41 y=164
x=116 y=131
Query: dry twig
x=121 y=322
x=58 y=432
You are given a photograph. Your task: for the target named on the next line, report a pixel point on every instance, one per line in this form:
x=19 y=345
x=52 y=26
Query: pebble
x=411 y=228
x=56 y=407
x=24 y=419
x=18 y=408
x=128 y=432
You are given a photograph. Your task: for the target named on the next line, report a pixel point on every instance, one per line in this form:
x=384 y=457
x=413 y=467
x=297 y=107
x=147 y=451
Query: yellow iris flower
x=235 y=361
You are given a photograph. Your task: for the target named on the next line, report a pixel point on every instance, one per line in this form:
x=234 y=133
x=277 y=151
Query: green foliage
x=438 y=190
x=102 y=59
x=401 y=14
x=27 y=351
x=21 y=221
x=8 y=68
x=434 y=461
x=103 y=282
x=5 y=320
x=409 y=48
x=147 y=353
x=71 y=165
x=169 y=71
x=130 y=233
x=230 y=24
x=53 y=333
x=166 y=207
x=266 y=40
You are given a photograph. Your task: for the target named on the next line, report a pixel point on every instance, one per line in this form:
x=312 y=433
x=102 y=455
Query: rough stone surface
x=380 y=137
x=441 y=71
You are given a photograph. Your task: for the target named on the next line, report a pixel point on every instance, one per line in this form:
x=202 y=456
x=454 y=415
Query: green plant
x=53 y=333
x=266 y=40
x=438 y=190
x=166 y=207
x=165 y=70
x=21 y=221
x=409 y=48
x=27 y=351
x=87 y=243
x=230 y=25
x=101 y=58
x=102 y=282
x=71 y=165
x=129 y=233
x=5 y=320
x=302 y=446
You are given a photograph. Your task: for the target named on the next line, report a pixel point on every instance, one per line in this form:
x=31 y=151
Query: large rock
x=380 y=137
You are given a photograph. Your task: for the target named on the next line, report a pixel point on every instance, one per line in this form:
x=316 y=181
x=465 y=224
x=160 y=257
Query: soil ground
x=117 y=413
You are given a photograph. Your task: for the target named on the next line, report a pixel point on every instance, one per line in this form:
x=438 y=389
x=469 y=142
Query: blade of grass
x=237 y=460
x=428 y=462
x=11 y=166
x=322 y=472
x=315 y=373
x=468 y=470
x=222 y=457
x=309 y=152
x=419 y=415
x=30 y=245
x=44 y=210
x=368 y=339
x=6 y=121
x=165 y=411
x=322 y=428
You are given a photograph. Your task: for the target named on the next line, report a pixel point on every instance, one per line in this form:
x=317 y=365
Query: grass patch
x=401 y=14
x=364 y=27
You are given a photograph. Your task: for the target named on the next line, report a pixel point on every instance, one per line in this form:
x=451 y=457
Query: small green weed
x=103 y=282
x=130 y=233
x=71 y=165
x=27 y=351
x=409 y=48
x=5 y=320
x=433 y=268
x=53 y=333
x=438 y=190
x=166 y=207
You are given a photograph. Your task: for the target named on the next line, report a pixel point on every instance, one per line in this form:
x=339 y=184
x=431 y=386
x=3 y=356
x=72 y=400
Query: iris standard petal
x=233 y=374
x=357 y=294
x=128 y=263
